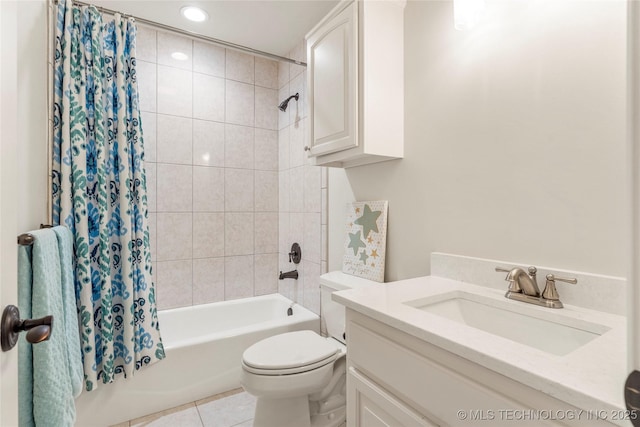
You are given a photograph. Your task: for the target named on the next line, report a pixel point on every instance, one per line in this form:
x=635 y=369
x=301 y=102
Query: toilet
x=299 y=378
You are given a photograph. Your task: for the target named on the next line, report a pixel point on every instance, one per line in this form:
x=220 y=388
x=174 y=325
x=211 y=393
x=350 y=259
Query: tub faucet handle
x=296 y=254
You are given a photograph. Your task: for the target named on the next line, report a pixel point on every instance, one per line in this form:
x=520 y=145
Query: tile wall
x=210 y=123
x=302 y=190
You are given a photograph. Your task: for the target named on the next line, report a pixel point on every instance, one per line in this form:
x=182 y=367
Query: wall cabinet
x=395 y=379
x=355 y=60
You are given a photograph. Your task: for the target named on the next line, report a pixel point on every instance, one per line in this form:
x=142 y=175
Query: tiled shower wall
x=210 y=124
x=303 y=190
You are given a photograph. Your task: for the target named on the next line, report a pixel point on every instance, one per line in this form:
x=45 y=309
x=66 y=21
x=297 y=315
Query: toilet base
x=335 y=418
x=294 y=412
x=287 y=412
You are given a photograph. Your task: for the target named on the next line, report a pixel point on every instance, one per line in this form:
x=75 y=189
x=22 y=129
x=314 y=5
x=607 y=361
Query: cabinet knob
x=307 y=148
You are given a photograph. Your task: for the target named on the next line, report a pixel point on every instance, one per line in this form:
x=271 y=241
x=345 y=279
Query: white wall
x=514 y=140
x=8 y=211
x=32 y=180
x=23 y=153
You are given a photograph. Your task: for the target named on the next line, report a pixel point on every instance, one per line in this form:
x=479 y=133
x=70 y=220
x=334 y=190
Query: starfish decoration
x=369 y=239
x=357 y=210
x=355 y=242
x=374 y=253
x=368 y=220
x=364 y=256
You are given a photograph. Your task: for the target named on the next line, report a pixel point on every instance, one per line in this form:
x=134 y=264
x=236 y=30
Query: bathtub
x=204 y=346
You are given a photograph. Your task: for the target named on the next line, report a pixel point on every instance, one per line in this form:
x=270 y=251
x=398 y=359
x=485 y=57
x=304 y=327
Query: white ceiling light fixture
x=467 y=13
x=194 y=14
x=179 y=56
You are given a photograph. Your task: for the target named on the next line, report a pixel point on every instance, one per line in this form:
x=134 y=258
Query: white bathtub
x=204 y=346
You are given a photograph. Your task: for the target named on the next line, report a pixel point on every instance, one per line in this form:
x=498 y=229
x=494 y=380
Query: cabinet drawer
x=371 y=406
x=425 y=384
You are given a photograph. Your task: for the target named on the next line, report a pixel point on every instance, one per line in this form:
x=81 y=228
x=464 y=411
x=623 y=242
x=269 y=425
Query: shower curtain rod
x=194 y=35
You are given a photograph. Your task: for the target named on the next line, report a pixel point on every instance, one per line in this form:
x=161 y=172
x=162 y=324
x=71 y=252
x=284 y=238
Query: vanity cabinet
x=396 y=379
x=374 y=407
x=355 y=71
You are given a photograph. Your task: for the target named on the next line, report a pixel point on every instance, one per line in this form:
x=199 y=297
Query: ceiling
x=267 y=25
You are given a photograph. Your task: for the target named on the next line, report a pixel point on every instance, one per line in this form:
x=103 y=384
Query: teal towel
x=71 y=325
x=25 y=364
x=52 y=401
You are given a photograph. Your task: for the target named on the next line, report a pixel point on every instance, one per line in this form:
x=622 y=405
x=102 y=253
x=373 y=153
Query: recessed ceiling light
x=180 y=56
x=193 y=13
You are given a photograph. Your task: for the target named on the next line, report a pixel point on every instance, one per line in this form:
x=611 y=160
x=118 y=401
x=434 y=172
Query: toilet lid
x=289 y=350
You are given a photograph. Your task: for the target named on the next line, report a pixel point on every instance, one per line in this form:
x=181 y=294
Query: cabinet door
x=332 y=60
x=371 y=406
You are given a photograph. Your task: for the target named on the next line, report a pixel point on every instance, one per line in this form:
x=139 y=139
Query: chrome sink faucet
x=523 y=287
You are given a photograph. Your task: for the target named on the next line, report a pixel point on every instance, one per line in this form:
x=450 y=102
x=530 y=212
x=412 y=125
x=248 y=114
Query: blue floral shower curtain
x=99 y=191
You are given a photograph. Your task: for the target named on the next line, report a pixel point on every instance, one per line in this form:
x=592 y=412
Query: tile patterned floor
x=234 y=408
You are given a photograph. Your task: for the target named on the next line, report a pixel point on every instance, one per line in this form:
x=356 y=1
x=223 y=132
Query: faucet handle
x=532 y=270
x=571 y=280
x=550 y=292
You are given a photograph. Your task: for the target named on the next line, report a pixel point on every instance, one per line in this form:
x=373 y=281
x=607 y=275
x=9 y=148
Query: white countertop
x=591 y=377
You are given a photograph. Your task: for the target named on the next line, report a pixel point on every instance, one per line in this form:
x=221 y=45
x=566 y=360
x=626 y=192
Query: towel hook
x=11 y=325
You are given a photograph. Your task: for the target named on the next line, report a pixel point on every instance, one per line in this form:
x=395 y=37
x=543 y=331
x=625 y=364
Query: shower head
x=283 y=104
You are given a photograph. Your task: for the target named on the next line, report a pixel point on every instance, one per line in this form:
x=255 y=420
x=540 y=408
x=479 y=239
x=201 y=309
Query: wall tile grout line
x=209 y=74
x=193 y=178
x=253 y=278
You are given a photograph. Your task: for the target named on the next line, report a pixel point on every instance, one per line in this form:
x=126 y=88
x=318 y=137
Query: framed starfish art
x=366 y=242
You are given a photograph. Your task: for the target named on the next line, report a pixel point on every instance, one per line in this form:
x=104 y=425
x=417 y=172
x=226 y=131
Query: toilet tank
x=332 y=313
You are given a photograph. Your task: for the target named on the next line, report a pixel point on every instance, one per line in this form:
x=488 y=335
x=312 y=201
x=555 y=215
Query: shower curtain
x=99 y=191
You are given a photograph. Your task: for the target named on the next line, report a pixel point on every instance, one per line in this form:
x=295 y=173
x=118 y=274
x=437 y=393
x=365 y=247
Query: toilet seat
x=289 y=371
x=289 y=353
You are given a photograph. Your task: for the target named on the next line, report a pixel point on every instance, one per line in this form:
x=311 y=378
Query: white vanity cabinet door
x=332 y=86
x=371 y=406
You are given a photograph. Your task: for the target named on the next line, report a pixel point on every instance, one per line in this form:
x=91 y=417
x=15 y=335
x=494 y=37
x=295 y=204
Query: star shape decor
x=366 y=234
x=368 y=220
x=355 y=242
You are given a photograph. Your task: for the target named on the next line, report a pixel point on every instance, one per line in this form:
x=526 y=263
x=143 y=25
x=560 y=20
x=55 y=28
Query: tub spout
x=289 y=275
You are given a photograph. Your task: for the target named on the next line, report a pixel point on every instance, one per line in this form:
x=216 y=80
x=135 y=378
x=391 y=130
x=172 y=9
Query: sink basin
x=546 y=331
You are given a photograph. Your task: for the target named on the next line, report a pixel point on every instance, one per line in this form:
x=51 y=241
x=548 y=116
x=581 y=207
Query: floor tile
x=183 y=416
x=228 y=411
